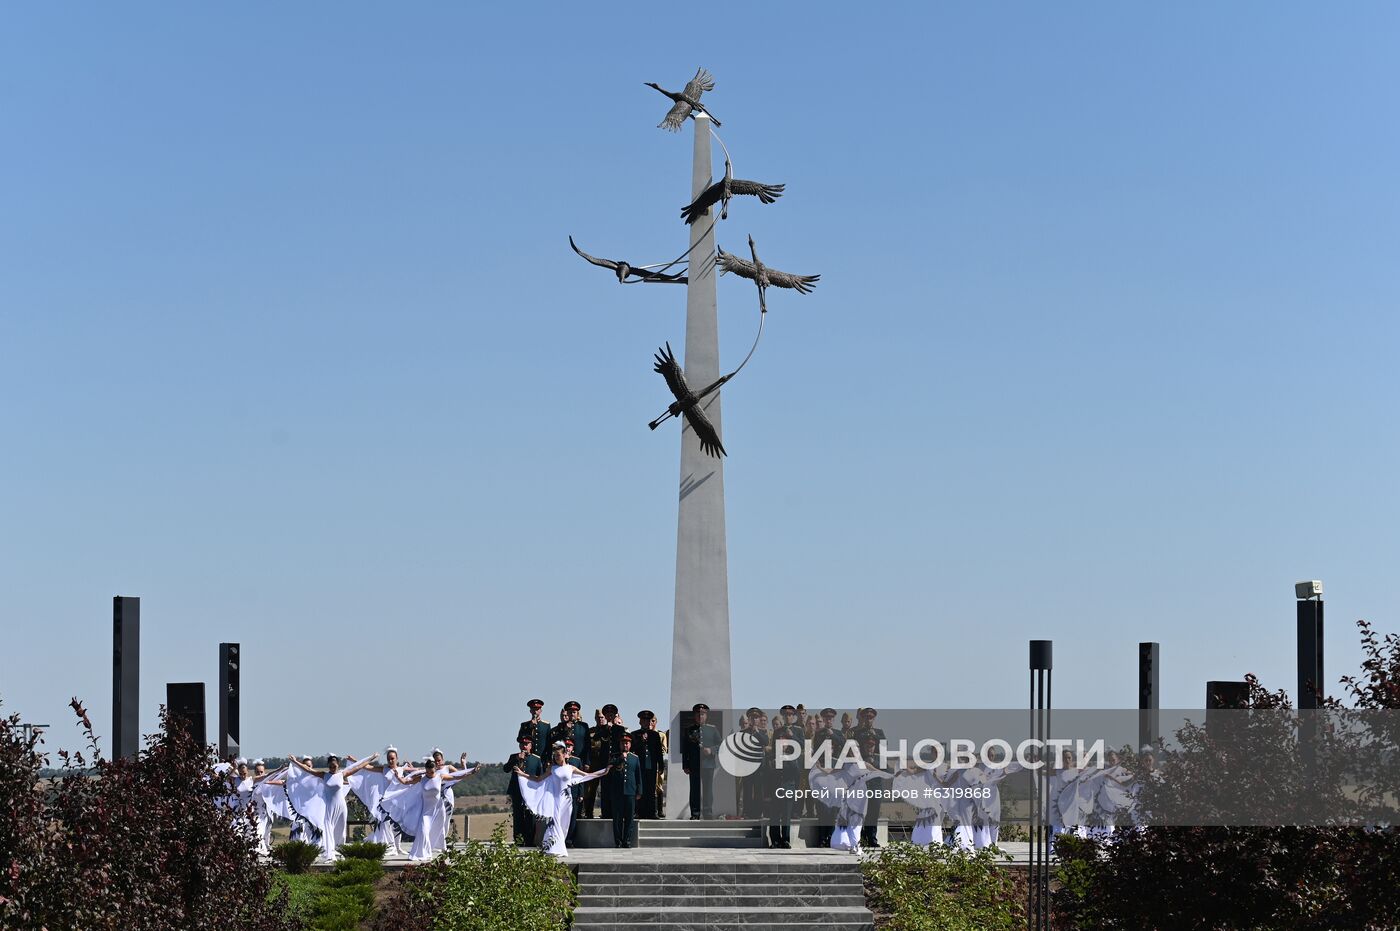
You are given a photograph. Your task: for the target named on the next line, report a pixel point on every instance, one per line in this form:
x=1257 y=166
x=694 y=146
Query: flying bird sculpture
x=721 y=191
x=625 y=270
x=687 y=403
x=764 y=276
x=687 y=102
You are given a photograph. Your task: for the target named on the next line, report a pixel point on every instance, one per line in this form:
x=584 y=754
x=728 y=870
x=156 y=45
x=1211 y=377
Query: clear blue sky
x=292 y=346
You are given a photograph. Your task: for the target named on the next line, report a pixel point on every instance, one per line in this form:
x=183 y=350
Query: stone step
x=826 y=865
x=700 y=832
x=658 y=824
x=795 y=902
x=664 y=887
x=719 y=878
x=701 y=840
x=696 y=828
x=750 y=919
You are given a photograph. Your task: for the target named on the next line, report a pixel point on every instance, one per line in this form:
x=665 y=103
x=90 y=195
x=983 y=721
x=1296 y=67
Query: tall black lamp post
x=1038 y=890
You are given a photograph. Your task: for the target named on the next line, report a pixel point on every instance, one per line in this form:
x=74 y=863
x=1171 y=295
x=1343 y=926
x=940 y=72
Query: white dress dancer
x=402 y=808
x=331 y=787
x=1069 y=799
x=431 y=837
x=923 y=789
x=269 y=800
x=850 y=801
x=369 y=785
x=1112 y=798
x=549 y=799
x=244 y=801
x=963 y=806
x=1146 y=773
x=449 y=799
x=987 y=830
x=373 y=785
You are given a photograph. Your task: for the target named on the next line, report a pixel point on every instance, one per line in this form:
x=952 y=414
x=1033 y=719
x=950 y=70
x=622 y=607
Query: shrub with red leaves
x=133 y=844
x=1250 y=878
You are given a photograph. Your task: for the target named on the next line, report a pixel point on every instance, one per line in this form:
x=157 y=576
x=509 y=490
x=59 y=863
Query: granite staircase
x=747 y=892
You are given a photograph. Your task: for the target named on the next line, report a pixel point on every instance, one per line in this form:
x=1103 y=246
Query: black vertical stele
x=1310 y=681
x=1149 y=693
x=1224 y=695
x=126 y=676
x=229 y=662
x=185 y=701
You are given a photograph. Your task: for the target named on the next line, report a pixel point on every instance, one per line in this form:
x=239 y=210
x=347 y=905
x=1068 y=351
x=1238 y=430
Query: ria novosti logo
x=741 y=754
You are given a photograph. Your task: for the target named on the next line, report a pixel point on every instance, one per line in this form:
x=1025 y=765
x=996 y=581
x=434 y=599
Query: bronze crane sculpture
x=687 y=403
x=687 y=102
x=721 y=191
x=764 y=276
x=624 y=270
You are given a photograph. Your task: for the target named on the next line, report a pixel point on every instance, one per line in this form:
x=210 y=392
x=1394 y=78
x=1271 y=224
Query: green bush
x=942 y=889
x=351 y=872
x=341 y=908
x=301 y=890
x=338 y=900
x=491 y=886
x=295 y=856
x=363 y=850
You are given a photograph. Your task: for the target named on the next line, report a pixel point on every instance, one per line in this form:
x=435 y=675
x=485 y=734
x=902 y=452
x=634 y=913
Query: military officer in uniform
x=598 y=754
x=624 y=785
x=523 y=823
x=826 y=742
x=559 y=732
x=619 y=728
x=651 y=756
x=613 y=731
x=872 y=741
x=571 y=729
x=781 y=782
x=578 y=731
x=537 y=729
x=698 y=760
x=751 y=802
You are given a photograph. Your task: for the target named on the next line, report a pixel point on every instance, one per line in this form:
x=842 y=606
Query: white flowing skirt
x=333 y=831
x=927 y=833
x=432 y=833
x=385 y=833
x=558 y=828
x=847 y=836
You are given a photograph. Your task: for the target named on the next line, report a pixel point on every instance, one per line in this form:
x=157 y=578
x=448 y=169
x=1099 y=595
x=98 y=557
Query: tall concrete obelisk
x=700 y=668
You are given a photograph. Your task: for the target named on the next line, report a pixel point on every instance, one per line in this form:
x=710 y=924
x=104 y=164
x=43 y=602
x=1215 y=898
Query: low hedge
x=295 y=856
x=363 y=850
x=943 y=889
x=485 y=886
x=338 y=900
